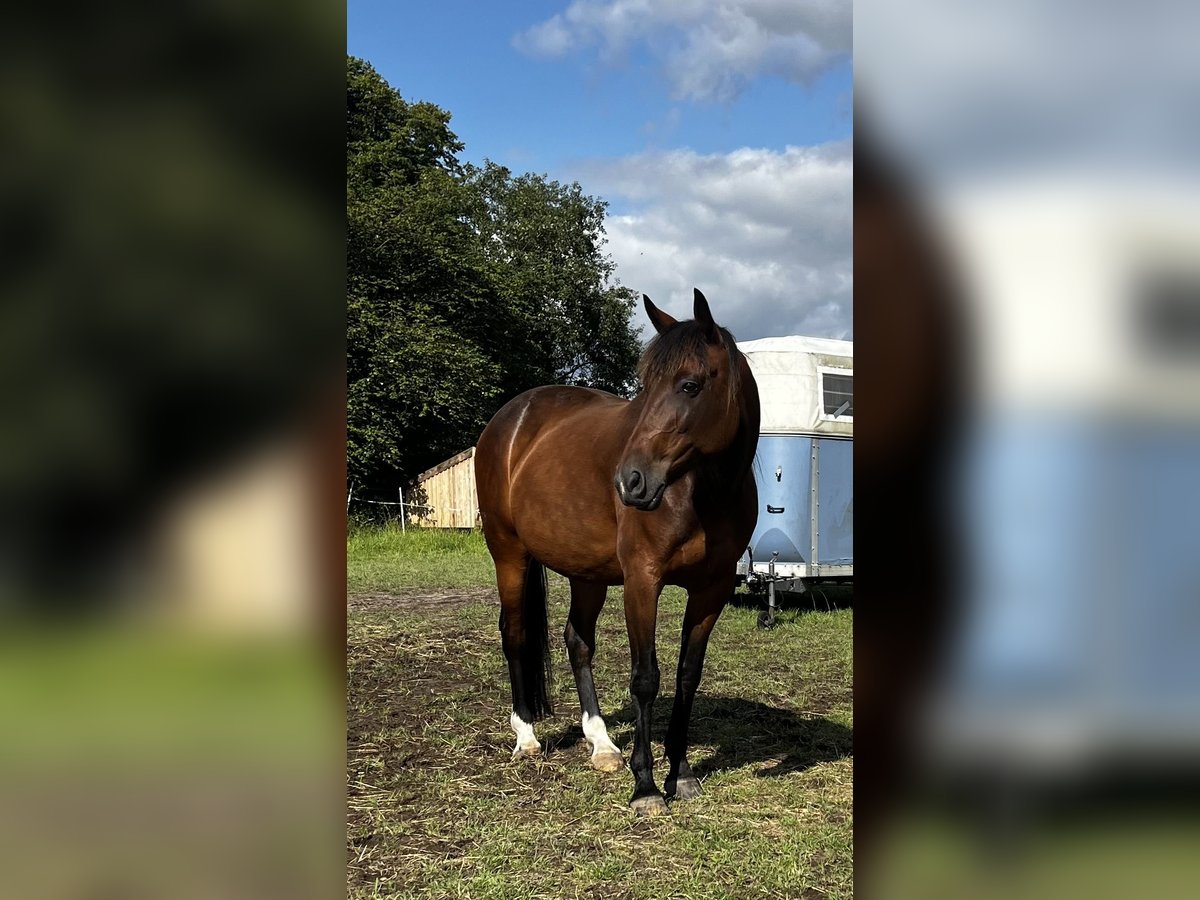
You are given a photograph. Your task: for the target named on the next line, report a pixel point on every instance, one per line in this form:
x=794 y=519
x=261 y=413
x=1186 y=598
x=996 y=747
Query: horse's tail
x=535 y=659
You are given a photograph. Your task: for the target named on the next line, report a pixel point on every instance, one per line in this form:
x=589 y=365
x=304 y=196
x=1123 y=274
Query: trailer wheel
x=766 y=620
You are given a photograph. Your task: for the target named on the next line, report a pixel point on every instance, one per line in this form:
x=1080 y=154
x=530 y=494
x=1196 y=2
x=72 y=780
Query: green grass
x=437 y=809
x=382 y=559
x=97 y=696
x=1103 y=852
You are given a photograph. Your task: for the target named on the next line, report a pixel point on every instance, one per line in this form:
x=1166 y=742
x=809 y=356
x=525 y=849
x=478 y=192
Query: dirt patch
x=437 y=808
x=420 y=680
x=422 y=598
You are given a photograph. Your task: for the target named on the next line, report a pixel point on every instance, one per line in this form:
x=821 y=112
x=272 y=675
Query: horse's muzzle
x=638 y=491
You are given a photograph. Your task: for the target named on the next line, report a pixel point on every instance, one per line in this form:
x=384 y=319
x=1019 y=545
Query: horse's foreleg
x=703 y=608
x=580 y=635
x=641 y=613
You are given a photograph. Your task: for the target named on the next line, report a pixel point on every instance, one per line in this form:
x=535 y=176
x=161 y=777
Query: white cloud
x=766 y=235
x=710 y=51
x=550 y=38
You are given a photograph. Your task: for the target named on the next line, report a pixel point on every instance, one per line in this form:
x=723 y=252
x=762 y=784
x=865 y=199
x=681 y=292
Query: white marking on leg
x=526 y=742
x=596 y=732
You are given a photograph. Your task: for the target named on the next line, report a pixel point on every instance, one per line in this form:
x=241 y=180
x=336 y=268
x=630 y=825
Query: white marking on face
x=596 y=732
x=525 y=738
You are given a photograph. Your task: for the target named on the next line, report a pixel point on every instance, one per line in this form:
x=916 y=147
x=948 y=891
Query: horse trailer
x=804 y=466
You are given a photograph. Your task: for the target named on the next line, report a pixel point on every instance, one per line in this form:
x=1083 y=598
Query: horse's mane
x=687 y=342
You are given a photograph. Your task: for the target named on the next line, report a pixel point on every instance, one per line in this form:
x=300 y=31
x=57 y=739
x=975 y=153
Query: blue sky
x=719 y=138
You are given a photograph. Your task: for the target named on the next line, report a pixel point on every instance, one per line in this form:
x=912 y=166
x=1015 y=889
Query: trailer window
x=837 y=395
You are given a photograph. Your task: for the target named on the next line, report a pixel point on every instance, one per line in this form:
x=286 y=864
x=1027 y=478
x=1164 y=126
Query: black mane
x=682 y=343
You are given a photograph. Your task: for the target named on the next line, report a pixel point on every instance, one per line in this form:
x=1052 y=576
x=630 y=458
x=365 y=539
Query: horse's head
x=691 y=404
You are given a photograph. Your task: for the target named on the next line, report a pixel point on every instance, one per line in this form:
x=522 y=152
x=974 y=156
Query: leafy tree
x=544 y=238
x=466 y=286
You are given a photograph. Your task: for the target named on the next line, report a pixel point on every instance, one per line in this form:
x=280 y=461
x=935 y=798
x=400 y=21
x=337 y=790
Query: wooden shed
x=444 y=496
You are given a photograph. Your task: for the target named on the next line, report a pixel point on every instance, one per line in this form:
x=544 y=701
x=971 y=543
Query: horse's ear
x=659 y=319
x=703 y=315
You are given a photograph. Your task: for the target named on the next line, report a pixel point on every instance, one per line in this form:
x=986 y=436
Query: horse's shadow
x=743 y=732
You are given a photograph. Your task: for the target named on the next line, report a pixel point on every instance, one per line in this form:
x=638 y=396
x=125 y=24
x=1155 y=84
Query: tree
x=544 y=238
x=466 y=285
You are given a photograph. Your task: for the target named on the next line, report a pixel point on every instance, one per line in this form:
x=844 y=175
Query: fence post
x=403 y=530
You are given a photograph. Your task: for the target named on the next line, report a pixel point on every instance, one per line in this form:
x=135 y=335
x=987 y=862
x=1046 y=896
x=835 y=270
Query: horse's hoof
x=650 y=805
x=683 y=788
x=608 y=762
x=534 y=752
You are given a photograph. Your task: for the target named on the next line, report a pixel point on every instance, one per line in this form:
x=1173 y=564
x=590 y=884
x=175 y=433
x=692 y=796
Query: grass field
x=437 y=809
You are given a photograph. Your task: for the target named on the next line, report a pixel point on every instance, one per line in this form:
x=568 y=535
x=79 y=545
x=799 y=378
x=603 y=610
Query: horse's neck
x=726 y=472
x=745 y=443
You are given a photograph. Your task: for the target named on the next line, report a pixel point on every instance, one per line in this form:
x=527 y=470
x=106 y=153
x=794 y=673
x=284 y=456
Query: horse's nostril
x=631 y=486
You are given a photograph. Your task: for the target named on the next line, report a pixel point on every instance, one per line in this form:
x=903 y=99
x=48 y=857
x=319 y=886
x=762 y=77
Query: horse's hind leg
x=522 y=645
x=580 y=635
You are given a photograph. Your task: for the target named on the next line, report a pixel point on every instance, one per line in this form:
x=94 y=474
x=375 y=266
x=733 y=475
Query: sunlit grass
x=438 y=810
x=386 y=558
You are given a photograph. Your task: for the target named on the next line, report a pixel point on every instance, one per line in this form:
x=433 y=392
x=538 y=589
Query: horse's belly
x=553 y=452
x=571 y=562
x=563 y=512
x=571 y=532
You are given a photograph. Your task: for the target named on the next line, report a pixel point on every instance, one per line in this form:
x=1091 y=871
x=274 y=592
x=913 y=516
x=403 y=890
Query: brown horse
x=606 y=491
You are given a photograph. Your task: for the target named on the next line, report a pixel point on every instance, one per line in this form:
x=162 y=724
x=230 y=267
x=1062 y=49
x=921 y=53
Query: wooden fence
x=444 y=496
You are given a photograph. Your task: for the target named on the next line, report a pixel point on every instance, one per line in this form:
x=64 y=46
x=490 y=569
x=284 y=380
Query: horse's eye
x=690 y=387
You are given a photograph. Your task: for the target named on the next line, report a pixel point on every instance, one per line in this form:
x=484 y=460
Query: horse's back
x=522 y=418
x=517 y=427
x=561 y=398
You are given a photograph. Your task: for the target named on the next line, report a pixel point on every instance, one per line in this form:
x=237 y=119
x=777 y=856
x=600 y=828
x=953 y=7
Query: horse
x=606 y=491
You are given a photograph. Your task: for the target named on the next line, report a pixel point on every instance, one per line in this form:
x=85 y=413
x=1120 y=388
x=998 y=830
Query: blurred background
x=172 y=471
x=1027 y=280
x=1027 y=268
